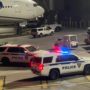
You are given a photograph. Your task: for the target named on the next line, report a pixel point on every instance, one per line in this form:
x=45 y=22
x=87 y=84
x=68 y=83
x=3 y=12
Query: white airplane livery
x=15 y=11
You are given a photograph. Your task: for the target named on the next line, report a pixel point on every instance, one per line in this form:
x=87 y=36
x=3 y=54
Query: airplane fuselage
x=16 y=11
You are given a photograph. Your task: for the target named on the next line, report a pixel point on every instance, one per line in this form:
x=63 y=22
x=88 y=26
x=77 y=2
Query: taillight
x=31 y=63
x=41 y=66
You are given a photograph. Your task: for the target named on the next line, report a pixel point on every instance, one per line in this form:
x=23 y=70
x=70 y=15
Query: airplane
x=17 y=11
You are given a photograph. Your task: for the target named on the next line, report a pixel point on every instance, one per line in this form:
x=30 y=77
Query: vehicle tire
x=19 y=32
x=34 y=36
x=76 y=45
x=41 y=35
x=52 y=34
x=5 y=61
x=57 y=29
x=54 y=74
x=87 y=70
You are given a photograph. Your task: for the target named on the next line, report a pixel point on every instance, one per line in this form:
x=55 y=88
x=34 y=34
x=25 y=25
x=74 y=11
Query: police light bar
x=62 y=50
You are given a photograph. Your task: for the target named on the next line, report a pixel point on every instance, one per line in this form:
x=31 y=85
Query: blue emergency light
x=64 y=50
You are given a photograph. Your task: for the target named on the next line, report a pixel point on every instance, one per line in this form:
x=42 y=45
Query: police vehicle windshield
x=31 y=49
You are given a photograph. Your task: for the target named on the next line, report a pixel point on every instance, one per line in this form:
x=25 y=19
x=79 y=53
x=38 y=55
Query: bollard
x=72 y=24
x=80 y=24
x=67 y=23
x=61 y=22
x=64 y=23
x=75 y=24
x=11 y=42
x=84 y=24
x=2 y=82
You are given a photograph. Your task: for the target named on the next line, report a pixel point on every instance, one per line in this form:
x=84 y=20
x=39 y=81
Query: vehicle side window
x=13 y=49
x=16 y=50
x=63 y=58
x=73 y=57
x=40 y=29
x=21 y=50
x=47 y=59
x=58 y=59
x=49 y=27
x=66 y=39
x=2 y=49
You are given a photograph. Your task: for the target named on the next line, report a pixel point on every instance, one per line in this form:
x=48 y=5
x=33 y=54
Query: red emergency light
x=36 y=56
x=41 y=66
x=31 y=63
x=57 y=50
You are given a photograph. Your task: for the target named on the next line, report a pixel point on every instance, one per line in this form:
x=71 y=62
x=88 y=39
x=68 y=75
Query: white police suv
x=18 y=53
x=54 y=64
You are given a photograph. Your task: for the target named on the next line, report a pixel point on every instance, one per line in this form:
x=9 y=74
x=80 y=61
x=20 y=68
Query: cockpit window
x=35 y=5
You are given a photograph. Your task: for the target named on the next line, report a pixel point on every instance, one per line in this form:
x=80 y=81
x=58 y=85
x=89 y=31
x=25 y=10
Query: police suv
x=54 y=64
x=18 y=53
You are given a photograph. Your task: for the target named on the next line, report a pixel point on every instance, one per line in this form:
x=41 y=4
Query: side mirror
x=26 y=52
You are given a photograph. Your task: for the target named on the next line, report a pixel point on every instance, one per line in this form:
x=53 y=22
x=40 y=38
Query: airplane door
x=17 y=6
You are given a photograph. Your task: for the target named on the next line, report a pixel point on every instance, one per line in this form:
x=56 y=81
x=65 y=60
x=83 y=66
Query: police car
x=18 y=53
x=54 y=64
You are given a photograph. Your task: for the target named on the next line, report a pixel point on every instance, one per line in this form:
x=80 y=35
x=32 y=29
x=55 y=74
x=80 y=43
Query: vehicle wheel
x=5 y=61
x=57 y=29
x=52 y=34
x=54 y=74
x=19 y=32
x=34 y=36
x=77 y=45
x=87 y=70
x=41 y=35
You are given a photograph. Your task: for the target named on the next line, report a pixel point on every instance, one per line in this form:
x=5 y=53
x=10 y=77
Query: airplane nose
x=39 y=11
x=42 y=10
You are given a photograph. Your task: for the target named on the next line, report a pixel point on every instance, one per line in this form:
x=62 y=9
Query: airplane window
x=11 y=6
x=8 y=6
x=5 y=6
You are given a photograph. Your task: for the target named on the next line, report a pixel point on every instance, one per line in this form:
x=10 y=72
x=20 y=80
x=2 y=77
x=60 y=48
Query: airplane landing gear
x=18 y=29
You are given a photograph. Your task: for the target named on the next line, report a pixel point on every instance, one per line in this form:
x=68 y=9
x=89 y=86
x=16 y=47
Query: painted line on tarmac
x=47 y=85
x=2 y=82
x=88 y=77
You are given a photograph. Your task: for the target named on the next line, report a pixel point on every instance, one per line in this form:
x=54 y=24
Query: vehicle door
x=68 y=64
x=66 y=42
x=40 y=31
x=45 y=30
x=17 y=7
x=14 y=54
x=48 y=30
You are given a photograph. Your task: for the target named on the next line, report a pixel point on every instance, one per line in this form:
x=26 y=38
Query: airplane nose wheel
x=19 y=32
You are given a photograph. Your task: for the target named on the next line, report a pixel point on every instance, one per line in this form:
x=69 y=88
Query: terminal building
x=63 y=11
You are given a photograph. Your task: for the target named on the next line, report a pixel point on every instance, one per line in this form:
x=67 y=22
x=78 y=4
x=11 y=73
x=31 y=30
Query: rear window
x=37 y=59
x=2 y=49
x=47 y=59
x=34 y=30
